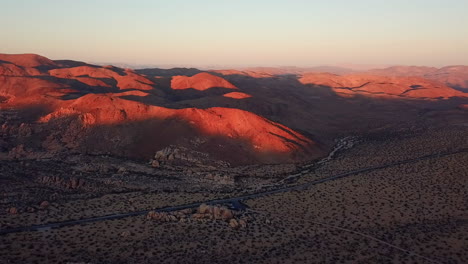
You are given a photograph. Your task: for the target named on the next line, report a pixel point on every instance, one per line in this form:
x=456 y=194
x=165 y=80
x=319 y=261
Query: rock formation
x=200 y=82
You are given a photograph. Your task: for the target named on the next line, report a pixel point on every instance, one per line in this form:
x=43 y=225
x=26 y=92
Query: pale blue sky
x=241 y=32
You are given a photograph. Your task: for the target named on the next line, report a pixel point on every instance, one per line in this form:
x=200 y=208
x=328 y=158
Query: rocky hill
x=101 y=110
x=54 y=108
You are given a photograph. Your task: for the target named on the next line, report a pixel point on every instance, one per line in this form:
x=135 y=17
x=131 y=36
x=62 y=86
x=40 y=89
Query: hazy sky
x=239 y=32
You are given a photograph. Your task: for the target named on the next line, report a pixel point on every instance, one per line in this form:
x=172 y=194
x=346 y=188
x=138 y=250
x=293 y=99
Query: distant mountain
x=168 y=72
x=299 y=70
x=382 y=86
x=403 y=71
x=453 y=76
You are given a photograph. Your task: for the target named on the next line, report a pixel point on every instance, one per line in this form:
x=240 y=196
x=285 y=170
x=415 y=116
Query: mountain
x=452 y=76
x=201 y=82
x=61 y=107
x=27 y=60
x=265 y=72
x=382 y=86
x=91 y=109
x=403 y=71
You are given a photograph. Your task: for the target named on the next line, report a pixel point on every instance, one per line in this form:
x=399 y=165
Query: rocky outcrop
x=201 y=82
x=233 y=223
x=179 y=216
x=213 y=212
x=182 y=156
x=68 y=183
x=203 y=213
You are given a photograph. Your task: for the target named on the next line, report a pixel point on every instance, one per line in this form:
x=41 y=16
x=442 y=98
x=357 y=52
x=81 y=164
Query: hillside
x=79 y=105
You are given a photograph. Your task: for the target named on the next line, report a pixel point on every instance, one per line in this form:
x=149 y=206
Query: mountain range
x=240 y=116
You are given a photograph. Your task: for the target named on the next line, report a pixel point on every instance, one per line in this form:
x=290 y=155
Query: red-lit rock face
x=264 y=135
x=30 y=90
x=237 y=95
x=96 y=107
x=9 y=69
x=200 y=82
x=452 y=76
x=129 y=80
x=381 y=86
x=27 y=60
x=91 y=109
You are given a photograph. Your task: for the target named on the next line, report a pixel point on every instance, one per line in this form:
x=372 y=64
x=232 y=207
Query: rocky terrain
x=101 y=164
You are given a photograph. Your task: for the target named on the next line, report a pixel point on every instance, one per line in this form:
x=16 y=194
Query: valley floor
x=411 y=212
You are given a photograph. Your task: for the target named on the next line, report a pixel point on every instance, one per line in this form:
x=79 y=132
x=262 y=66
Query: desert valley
x=101 y=164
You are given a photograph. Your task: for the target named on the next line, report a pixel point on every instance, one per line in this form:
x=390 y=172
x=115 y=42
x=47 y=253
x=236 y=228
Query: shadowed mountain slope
x=58 y=107
x=102 y=110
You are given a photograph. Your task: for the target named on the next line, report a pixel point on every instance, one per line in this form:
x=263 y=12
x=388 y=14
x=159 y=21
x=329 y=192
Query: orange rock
x=205 y=209
x=226 y=214
x=129 y=80
x=155 y=164
x=27 y=60
x=237 y=95
x=202 y=81
x=233 y=223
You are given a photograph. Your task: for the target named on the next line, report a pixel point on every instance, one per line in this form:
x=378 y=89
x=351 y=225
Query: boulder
x=159 y=155
x=242 y=223
x=171 y=157
x=155 y=164
x=217 y=212
x=125 y=234
x=151 y=215
x=186 y=211
x=198 y=216
x=12 y=210
x=44 y=204
x=233 y=223
x=204 y=209
x=226 y=214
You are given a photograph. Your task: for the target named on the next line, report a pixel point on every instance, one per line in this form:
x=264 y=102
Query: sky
x=241 y=32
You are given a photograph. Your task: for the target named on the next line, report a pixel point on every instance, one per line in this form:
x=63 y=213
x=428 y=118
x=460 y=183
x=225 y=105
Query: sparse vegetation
x=413 y=212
